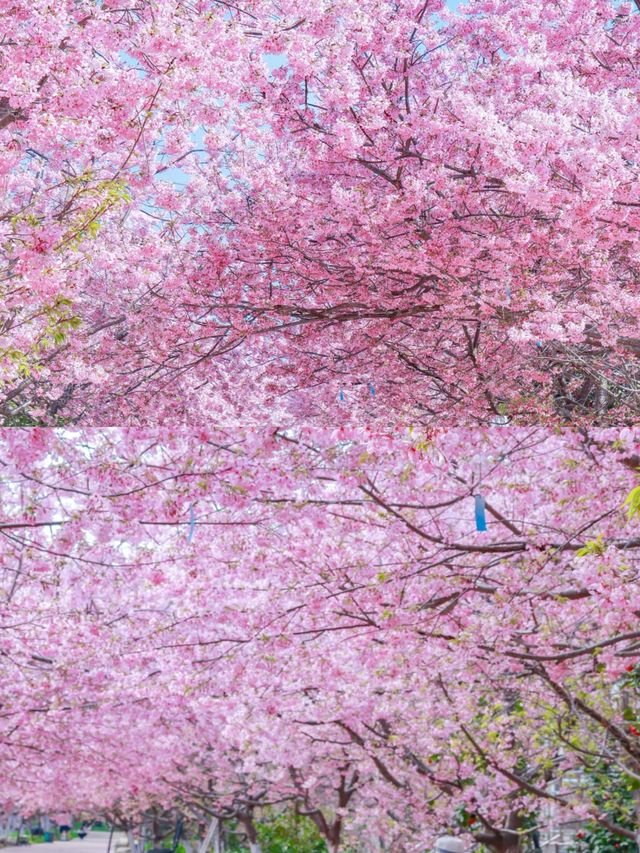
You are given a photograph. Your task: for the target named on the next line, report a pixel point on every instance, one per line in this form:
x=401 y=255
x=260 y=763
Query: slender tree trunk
x=637 y=815
x=210 y=835
x=133 y=846
x=218 y=843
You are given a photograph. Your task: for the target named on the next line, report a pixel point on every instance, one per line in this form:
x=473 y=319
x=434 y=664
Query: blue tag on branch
x=192 y=523
x=372 y=390
x=481 y=518
x=342 y=396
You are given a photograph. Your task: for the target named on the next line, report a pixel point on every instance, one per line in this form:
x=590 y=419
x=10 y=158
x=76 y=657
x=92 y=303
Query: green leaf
x=593 y=546
x=633 y=503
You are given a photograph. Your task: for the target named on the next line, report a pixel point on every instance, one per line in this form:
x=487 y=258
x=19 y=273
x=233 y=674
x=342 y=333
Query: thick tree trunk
x=505 y=840
x=246 y=819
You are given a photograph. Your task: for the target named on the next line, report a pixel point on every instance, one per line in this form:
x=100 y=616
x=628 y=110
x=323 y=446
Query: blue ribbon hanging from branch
x=372 y=390
x=342 y=395
x=192 y=523
x=481 y=518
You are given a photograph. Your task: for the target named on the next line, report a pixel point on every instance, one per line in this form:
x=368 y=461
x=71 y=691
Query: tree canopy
x=237 y=619
x=385 y=212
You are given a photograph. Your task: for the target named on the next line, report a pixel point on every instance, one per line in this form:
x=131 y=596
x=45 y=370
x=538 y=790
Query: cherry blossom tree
x=223 y=621
x=382 y=212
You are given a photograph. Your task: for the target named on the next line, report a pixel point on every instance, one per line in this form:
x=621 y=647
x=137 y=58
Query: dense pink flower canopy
x=280 y=249
x=379 y=211
x=266 y=616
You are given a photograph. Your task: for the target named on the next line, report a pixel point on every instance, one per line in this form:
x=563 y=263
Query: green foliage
x=597 y=839
x=20 y=419
x=232 y=842
x=612 y=792
x=60 y=321
x=23 y=418
x=464 y=818
x=632 y=679
x=593 y=546
x=633 y=503
x=290 y=833
x=106 y=194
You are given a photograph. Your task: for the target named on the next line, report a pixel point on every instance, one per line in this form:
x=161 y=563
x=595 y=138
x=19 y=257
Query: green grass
x=25 y=835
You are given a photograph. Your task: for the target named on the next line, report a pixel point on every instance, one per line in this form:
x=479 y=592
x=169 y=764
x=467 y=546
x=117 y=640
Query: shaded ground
x=95 y=842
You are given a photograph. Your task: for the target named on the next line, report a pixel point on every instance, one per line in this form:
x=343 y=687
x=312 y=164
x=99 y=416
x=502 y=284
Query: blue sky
x=180 y=178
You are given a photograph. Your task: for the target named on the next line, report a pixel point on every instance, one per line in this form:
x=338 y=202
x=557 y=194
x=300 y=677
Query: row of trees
x=389 y=210
x=233 y=621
